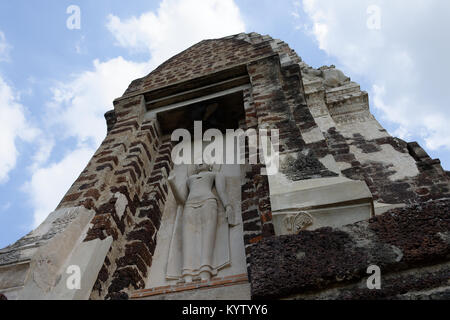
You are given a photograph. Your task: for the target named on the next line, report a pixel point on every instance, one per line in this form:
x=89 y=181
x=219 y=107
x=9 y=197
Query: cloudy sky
x=58 y=78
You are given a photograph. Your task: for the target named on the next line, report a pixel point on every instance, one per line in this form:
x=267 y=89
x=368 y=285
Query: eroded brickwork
x=128 y=171
x=326 y=131
x=429 y=183
x=130 y=258
x=395 y=171
x=125 y=185
x=313 y=261
x=135 y=262
x=202 y=59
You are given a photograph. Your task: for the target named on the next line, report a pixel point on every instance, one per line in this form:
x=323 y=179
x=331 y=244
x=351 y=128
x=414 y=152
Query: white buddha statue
x=200 y=241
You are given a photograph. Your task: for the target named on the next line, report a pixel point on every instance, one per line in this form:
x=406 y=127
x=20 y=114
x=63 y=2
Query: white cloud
x=176 y=25
x=78 y=105
x=4 y=48
x=79 y=45
x=13 y=126
x=48 y=185
x=76 y=110
x=44 y=149
x=406 y=60
x=295 y=13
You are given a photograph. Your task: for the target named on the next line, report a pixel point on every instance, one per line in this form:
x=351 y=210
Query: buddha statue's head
x=202 y=167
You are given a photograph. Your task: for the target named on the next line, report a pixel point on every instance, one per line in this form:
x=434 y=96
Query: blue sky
x=56 y=83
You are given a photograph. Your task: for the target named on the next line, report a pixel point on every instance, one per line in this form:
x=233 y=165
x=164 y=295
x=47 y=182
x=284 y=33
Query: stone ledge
x=213 y=283
x=331 y=202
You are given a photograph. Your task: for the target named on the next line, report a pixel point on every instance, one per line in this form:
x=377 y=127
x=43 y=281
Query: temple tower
x=345 y=196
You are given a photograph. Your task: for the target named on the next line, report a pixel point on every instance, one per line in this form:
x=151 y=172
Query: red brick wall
x=133 y=160
x=204 y=58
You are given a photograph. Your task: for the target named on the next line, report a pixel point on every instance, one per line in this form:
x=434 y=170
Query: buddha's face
x=202 y=168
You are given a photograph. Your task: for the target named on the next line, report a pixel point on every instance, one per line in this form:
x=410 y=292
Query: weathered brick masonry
x=326 y=132
x=275 y=101
x=430 y=183
x=121 y=165
x=331 y=263
x=128 y=174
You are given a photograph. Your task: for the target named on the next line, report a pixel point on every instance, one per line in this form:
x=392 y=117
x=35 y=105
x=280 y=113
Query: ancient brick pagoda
x=347 y=196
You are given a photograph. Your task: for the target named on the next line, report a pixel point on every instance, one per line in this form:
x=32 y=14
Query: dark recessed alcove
x=220 y=113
